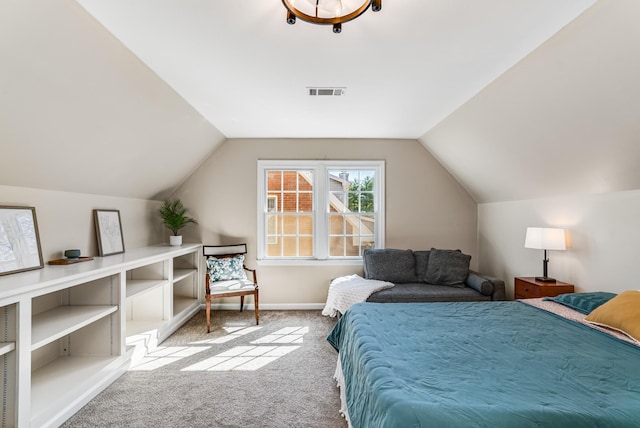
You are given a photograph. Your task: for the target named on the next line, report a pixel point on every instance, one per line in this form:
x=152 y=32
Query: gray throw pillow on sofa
x=422 y=262
x=447 y=267
x=386 y=264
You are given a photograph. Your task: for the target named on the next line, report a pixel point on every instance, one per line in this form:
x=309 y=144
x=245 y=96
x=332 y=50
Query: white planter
x=175 y=240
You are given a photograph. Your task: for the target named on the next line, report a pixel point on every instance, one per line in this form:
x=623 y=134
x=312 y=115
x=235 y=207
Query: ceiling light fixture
x=328 y=12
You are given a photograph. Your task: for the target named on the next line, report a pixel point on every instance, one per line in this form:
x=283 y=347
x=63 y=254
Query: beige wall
x=65 y=220
x=604 y=232
x=425 y=206
x=565 y=120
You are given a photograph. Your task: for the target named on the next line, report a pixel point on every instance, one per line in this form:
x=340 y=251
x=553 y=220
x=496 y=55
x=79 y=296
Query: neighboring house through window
x=319 y=210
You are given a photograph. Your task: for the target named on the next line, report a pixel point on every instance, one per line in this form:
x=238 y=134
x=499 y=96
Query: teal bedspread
x=482 y=364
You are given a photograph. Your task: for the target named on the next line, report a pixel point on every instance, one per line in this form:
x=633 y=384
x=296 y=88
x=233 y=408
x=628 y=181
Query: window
x=319 y=210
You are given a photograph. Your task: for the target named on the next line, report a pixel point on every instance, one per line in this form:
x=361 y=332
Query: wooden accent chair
x=226 y=276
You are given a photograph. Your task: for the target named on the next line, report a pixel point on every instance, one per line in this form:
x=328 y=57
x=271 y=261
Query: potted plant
x=173 y=214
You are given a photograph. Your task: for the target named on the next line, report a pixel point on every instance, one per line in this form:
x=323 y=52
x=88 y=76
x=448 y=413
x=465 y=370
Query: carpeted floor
x=277 y=375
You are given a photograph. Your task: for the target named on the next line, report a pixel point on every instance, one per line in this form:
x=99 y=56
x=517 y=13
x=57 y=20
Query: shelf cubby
x=8 y=365
x=182 y=303
x=64 y=320
x=140 y=286
x=147 y=300
x=147 y=277
x=188 y=261
x=57 y=385
x=7 y=329
x=180 y=274
x=185 y=288
x=74 y=334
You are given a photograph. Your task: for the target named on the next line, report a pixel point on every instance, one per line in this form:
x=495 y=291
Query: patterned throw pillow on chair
x=226 y=268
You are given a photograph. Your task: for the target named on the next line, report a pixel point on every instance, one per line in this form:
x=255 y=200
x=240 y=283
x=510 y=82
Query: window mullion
x=297 y=216
x=321 y=218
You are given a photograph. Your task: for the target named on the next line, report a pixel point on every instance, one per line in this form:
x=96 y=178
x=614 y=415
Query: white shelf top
x=6 y=347
x=31 y=281
x=58 y=322
x=139 y=286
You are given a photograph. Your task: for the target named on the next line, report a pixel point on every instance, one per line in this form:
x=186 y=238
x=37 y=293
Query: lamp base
x=545 y=279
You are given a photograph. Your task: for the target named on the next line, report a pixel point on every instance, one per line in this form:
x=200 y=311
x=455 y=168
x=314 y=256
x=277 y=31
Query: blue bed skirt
x=482 y=364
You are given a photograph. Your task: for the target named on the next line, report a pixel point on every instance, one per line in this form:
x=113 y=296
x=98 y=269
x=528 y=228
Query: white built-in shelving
x=6 y=347
x=67 y=332
x=8 y=362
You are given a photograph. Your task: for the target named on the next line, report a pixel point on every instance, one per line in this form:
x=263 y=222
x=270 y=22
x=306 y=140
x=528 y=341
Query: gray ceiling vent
x=324 y=92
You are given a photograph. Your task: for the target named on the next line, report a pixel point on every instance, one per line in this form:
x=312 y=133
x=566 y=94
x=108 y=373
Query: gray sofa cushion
x=386 y=264
x=422 y=261
x=420 y=292
x=447 y=267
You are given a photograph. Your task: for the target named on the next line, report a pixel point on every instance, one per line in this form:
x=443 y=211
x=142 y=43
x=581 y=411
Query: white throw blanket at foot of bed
x=347 y=290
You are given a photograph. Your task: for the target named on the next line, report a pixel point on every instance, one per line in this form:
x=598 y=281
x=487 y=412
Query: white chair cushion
x=231 y=285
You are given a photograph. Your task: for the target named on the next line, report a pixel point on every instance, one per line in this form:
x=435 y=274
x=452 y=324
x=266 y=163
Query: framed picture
x=108 y=232
x=19 y=240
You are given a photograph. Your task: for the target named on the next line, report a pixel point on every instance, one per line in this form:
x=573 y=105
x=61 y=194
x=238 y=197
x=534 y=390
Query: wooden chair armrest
x=255 y=276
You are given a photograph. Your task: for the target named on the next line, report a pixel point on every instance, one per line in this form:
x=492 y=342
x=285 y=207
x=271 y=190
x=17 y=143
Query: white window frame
x=272 y=207
x=320 y=203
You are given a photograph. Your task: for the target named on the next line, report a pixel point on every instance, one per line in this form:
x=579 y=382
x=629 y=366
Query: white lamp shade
x=544 y=238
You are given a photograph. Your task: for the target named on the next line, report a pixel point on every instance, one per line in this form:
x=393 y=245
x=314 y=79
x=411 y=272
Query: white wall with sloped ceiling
x=555 y=142
x=564 y=120
x=80 y=113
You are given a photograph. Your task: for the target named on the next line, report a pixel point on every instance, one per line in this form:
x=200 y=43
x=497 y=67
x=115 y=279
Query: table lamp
x=544 y=238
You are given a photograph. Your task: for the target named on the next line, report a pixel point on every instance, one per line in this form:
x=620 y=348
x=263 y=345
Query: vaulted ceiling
x=518 y=99
x=404 y=68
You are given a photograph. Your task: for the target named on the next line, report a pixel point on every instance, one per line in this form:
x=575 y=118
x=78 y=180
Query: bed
x=482 y=364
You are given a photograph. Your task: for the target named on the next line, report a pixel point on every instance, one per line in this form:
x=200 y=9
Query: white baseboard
x=268 y=306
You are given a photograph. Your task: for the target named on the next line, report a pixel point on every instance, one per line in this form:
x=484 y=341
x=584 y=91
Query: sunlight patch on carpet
x=234 y=333
x=285 y=335
x=253 y=356
x=165 y=355
x=249 y=357
x=242 y=358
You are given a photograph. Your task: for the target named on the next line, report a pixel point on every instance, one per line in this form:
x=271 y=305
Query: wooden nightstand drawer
x=528 y=287
x=526 y=290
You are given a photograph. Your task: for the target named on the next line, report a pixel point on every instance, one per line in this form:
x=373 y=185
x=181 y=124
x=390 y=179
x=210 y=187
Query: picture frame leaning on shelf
x=20 y=248
x=108 y=232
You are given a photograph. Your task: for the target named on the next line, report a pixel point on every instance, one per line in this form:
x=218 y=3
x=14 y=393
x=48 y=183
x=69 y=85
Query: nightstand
x=528 y=287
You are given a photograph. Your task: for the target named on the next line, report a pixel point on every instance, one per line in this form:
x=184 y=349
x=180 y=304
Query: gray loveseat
x=428 y=276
